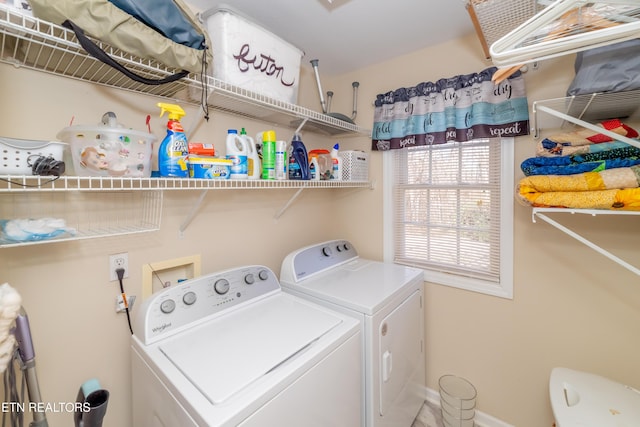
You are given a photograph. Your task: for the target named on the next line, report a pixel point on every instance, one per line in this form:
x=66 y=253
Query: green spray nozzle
x=175 y=111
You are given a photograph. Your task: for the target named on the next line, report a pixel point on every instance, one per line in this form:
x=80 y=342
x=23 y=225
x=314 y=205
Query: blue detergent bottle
x=299 y=160
x=173 y=151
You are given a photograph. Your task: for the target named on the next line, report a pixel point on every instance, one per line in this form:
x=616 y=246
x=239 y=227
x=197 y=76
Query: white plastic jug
x=254 y=169
x=237 y=152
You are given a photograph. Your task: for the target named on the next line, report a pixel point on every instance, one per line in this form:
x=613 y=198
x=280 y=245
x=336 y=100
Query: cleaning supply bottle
x=314 y=172
x=281 y=160
x=298 y=159
x=253 y=160
x=336 y=172
x=269 y=155
x=237 y=152
x=173 y=151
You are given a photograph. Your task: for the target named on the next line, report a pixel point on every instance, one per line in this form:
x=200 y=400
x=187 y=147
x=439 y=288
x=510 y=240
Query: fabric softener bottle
x=173 y=151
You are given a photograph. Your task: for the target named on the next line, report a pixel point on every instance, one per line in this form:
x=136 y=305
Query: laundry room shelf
x=9 y=183
x=40 y=45
x=584 y=111
x=79 y=215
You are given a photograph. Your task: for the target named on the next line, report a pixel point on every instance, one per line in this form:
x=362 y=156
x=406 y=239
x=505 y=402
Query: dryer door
x=401 y=353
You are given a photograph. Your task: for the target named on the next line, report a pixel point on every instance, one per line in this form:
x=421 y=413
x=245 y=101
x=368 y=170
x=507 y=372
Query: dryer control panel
x=311 y=260
x=201 y=298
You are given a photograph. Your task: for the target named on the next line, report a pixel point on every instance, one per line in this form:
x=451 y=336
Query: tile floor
x=429 y=416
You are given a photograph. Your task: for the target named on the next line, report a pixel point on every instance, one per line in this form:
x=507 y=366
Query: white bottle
x=336 y=172
x=314 y=173
x=281 y=160
x=254 y=169
x=237 y=152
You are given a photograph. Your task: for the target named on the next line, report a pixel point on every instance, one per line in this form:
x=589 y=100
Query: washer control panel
x=314 y=259
x=203 y=297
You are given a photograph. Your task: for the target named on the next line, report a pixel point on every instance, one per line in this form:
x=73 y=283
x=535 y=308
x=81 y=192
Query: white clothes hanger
x=568 y=26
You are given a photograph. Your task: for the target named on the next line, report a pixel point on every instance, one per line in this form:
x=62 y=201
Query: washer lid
x=583 y=399
x=223 y=356
x=361 y=285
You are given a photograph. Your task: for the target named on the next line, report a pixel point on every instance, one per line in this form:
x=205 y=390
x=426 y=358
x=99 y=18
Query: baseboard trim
x=481 y=419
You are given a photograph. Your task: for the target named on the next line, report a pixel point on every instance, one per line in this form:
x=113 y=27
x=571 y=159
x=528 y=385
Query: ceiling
x=345 y=35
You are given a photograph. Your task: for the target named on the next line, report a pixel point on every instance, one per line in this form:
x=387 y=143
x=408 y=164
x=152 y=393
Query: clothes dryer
x=387 y=300
x=232 y=349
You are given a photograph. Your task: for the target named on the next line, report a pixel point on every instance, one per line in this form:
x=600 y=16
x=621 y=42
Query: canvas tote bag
x=166 y=31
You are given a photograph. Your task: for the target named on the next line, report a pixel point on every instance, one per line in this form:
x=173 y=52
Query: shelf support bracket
x=286 y=205
x=583 y=240
x=192 y=214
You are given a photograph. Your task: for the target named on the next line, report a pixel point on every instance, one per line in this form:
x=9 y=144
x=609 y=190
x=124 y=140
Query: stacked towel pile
x=584 y=170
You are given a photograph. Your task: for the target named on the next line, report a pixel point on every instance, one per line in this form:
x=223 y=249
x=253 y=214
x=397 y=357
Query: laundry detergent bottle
x=298 y=159
x=254 y=168
x=336 y=160
x=237 y=152
x=173 y=151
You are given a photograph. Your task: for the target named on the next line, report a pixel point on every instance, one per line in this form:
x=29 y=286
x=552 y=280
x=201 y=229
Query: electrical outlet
x=118 y=261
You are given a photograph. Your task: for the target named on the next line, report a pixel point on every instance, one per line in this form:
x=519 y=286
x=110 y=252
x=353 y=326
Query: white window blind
x=447 y=210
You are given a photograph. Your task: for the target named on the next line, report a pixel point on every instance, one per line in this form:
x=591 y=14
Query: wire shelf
x=84 y=216
x=42 y=46
x=25 y=183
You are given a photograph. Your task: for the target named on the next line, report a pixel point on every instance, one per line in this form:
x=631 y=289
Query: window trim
x=504 y=289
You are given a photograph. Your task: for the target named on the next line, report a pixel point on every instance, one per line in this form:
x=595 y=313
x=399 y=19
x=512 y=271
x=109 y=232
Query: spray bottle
x=253 y=159
x=173 y=151
x=269 y=155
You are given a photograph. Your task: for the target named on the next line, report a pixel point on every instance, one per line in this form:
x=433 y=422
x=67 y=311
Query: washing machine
x=232 y=349
x=387 y=300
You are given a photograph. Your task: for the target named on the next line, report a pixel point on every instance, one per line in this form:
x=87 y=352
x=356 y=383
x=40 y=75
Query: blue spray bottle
x=172 y=155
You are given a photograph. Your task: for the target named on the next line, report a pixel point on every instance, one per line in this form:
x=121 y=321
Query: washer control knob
x=249 y=279
x=339 y=248
x=326 y=251
x=346 y=247
x=167 y=306
x=263 y=274
x=221 y=286
x=189 y=298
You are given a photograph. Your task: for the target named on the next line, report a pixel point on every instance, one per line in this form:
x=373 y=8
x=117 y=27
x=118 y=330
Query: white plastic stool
x=580 y=399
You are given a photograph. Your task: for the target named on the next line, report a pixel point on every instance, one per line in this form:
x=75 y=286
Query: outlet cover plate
x=118 y=261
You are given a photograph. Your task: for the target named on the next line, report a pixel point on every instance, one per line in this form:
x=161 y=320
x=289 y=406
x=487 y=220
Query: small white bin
x=248 y=56
x=355 y=165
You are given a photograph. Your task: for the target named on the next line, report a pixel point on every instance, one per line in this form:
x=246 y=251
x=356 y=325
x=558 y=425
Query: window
x=449 y=211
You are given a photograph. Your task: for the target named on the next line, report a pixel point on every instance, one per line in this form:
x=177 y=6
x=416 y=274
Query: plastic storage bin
x=104 y=150
x=17 y=155
x=248 y=56
x=355 y=165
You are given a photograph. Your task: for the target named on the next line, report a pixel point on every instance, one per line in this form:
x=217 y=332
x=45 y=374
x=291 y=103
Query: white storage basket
x=18 y=155
x=250 y=57
x=355 y=165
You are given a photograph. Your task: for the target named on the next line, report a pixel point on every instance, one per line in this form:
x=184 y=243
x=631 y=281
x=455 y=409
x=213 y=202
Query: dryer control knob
x=221 y=286
x=263 y=274
x=326 y=251
x=249 y=279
